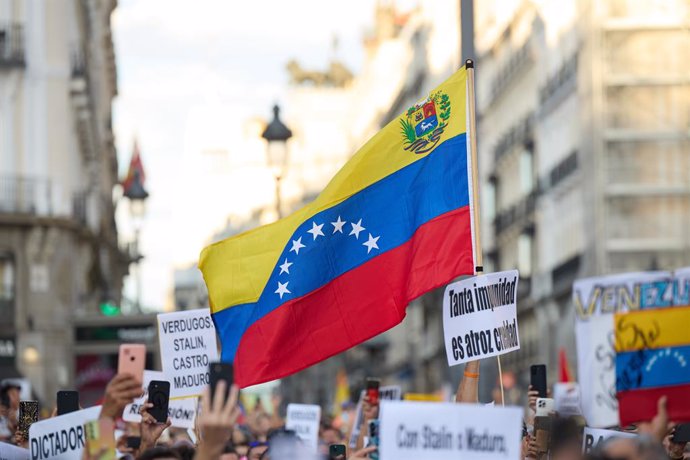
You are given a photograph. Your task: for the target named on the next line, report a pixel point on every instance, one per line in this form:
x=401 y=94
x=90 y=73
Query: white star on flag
x=371 y=243
x=297 y=245
x=285 y=267
x=357 y=228
x=282 y=289
x=316 y=230
x=338 y=225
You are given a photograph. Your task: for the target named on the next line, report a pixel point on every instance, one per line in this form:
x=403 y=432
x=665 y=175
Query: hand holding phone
x=67 y=402
x=159 y=396
x=373 y=391
x=538 y=379
x=132 y=360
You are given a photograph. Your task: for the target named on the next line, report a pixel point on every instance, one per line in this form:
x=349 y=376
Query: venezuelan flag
x=394 y=223
x=653 y=360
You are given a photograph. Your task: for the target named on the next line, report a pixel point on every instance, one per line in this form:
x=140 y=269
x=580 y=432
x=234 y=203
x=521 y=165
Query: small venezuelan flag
x=394 y=223
x=653 y=360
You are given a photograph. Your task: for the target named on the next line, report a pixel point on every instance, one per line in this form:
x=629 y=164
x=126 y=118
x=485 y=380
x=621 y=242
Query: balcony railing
x=21 y=195
x=519 y=212
x=12 y=45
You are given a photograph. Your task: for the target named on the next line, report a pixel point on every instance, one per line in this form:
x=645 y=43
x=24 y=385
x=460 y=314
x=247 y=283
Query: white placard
x=595 y=301
x=445 y=431
x=304 y=419
x=187 y=346
x=480 y=317
x=387 y=393
x=594 y=436
x=567 y=398
x=182 y=412
x=10 y=452
x=61 y=437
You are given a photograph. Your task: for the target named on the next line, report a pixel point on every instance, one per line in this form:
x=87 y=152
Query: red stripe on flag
x=641 y=405
x=357 y=305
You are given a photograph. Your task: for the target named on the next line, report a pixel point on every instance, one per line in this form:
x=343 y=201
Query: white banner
x=182 y=412
x=595 y=301
x=448 y=431
x=61 y=437
x=304 y=419
x=593 y=437
x=387 y=393
x=10 y=452
x=566 y=397
x=480 y=317
x=187 y=345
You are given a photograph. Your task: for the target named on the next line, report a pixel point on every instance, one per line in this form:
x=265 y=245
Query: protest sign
x=304 y=419
x=566 y=397
x=593 y=437
x=187 y=345
x=182 y=411
x=440 y=431
x=61 y=437
x=10 y=452
x=480 y=317
x=595 y=301
x=387 y=393
x=428 y=397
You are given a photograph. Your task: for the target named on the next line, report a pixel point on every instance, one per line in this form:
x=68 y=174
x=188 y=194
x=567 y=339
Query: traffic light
x=109 y=308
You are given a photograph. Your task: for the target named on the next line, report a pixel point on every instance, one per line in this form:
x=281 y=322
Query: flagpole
x=472 y=132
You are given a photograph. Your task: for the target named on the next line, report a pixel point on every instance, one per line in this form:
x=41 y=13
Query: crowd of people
x=224 y=431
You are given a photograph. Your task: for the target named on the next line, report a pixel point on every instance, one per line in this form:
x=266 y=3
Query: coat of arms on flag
x=424 y=123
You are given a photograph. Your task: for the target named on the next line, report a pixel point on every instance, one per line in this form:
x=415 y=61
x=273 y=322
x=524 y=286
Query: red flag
x=564 y=374
x=135 y=165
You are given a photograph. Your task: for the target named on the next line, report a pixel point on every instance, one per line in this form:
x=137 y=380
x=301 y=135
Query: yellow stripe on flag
x=654 y=328
x=237 y=269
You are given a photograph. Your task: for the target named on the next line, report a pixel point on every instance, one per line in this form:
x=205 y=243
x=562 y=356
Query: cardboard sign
x=480 y=317
x=10 y=452
x=61 y=437
x=387 y=393
x=567 y=398
x=182 y=412
x=187 y=345
x=304 y=419
x=593 y=437
x=595 y=301
x=445 y=431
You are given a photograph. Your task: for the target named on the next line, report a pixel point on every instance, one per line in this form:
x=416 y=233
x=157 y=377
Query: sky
x=188 y=79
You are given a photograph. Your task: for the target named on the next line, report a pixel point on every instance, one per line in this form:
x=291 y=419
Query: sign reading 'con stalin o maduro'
x=480 y=317
x=187 y=346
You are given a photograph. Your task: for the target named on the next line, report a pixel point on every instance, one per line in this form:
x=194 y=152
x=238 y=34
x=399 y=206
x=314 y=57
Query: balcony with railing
x=12 y=52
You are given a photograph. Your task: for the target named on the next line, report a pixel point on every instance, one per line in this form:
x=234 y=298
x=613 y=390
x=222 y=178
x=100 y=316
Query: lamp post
x=277 y=135
x=137 y=195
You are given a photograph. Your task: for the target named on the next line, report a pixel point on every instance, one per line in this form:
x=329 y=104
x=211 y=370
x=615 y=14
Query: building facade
x=583 y=141
x=59 y=252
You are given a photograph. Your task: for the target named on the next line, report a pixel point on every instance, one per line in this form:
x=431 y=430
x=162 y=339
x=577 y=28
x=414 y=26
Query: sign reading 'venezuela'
x=187 y=346
x=480 y=317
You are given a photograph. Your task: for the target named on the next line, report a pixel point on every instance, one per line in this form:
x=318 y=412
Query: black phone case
x=67 y=402
x=336 y=450
x=682 y=433
x=221 y=371
x=538 y=379
x=159 y=396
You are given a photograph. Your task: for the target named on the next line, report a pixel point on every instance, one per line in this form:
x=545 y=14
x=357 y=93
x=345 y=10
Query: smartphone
x=159 y=396
x=538 y=378
x=133 y=442
x=67 y=401
x=682 y=433
x=373 y=438
x=545 y=406
x=131 y=360
x=221 y=371
x=373 y=390
x=28 y=414
x=100 y=439
x=336 y=452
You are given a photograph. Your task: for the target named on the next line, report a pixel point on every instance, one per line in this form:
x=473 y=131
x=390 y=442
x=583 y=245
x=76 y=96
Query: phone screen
x=67 y=401
x=159 y=396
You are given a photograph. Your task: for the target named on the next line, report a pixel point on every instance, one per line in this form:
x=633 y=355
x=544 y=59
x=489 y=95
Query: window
x=7 y=289
x=526 y=171
x=525 y=255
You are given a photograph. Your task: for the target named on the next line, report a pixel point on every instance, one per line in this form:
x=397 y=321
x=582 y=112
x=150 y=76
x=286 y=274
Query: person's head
x=229 y=453
x=331 y=435
x=10 y=390
x=638 y=448
x=566 y=440
x=263 y=425
x=159 y=453
x=256 y=450
x=185 y=449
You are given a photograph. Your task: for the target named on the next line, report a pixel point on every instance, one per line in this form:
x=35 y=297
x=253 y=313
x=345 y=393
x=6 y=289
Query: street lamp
x=277 y=135
x=137 y=195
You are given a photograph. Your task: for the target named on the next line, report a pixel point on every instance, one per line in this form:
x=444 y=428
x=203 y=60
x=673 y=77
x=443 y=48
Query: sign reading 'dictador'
x=593 y=437
x=480 y=317
x=182 y=412
x=187 y=345
x=445 y=431
x=61 y=437
x=304 y=419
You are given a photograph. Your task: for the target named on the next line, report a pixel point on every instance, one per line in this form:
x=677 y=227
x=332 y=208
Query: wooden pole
x=472 y=133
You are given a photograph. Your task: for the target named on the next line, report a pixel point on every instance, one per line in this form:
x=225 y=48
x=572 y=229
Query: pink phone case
x=132 y=360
